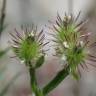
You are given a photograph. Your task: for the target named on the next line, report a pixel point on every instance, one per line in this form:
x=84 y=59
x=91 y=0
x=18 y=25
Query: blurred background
x=40 y=11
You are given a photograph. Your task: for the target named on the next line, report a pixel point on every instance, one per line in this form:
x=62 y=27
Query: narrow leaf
x=56 y=81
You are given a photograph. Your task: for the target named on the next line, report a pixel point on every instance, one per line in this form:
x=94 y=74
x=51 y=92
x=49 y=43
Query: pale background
x=40 y=11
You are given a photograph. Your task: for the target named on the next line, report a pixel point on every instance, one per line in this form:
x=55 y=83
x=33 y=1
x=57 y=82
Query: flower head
x=28 y=45
x=72 y=42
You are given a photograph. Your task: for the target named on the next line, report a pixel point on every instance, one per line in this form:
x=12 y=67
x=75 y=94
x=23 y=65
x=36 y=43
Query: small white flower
x=82 y=43
x=22 y=61
x=67 y=17
x=32 y=34
x=65 y=44
x=63 y=60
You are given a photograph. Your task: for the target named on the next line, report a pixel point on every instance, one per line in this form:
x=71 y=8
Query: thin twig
x=2 y=19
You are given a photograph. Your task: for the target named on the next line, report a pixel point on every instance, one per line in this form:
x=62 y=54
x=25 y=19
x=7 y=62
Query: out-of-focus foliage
x=3 y=52
x=9 y=84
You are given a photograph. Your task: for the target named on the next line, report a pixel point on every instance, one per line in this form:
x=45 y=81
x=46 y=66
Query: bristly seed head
x=29 y=45
x=72 y=42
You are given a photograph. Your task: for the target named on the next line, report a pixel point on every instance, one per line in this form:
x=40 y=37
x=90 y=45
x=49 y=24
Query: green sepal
x=40 y=61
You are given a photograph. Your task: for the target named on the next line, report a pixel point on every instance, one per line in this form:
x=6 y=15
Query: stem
x=56 y=80
x=33 y=82
x=2 y=18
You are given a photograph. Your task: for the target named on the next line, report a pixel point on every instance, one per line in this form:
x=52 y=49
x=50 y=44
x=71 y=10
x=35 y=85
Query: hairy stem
x=33 y=82
x=56 y=81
